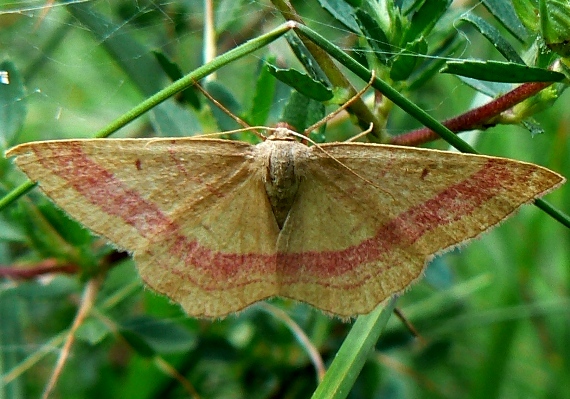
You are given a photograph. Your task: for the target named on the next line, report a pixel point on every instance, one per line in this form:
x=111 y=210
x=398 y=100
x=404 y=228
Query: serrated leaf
x=303 y=83
x=342 y=12
x=504 y=12
x=12 y=102
x=494 y=37
x=496 y=71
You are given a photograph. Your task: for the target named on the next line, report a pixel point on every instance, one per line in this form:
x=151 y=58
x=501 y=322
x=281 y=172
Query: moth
x=217 y=225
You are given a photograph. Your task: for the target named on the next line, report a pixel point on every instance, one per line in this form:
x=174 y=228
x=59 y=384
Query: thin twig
x=87 y=301
x=409 y=325
x=47 y=266
x=209 y=52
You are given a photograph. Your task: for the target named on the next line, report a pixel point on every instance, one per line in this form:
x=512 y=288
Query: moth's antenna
x=303 y=137
x=236 y=118
x=245 y=129
x=341 y=108
x=361 y=134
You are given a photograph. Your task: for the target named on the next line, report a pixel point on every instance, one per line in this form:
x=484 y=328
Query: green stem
x=16 y=193
x=354 y=352
x=194 y=76
x=553 y=212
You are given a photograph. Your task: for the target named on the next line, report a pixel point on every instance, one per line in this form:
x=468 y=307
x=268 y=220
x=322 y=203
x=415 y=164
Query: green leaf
x=495 y=71
x=137 y=343
x=226 y=14
x=60 y=286
x=12 y=102
x=303 y=83
x=491 y=89
x=494 y=36
x=306 y=58
x=342 y=12
x=375 y=36
x=555 y=25
x=263 y=97
x=302 y=112
x=387 y=16
x=408 y=6
x=434 y=62
x=504 y=12
x=93 y=331
x=527 y=11
x=158 y=335
x=11 y=230
x=53 y=234
x=12 y=336
x=406 y=62
x=424 y=19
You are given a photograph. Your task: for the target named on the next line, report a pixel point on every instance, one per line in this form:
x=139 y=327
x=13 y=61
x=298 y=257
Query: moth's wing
x=361 y=231
x=193 y=211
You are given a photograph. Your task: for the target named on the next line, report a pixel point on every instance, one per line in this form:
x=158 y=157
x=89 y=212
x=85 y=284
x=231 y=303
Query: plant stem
x=354 y=351
x=477 y=118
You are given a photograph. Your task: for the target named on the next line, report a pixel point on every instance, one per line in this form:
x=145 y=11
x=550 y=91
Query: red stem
x=46 y=267
x=476 y=118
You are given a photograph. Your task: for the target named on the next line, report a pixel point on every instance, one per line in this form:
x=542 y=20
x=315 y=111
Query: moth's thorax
x=282 y=156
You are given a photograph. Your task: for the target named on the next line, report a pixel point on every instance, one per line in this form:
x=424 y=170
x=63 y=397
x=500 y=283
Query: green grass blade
x=353 y=353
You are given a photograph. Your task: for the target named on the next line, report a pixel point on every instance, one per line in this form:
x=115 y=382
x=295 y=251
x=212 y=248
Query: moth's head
x=282 y=134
